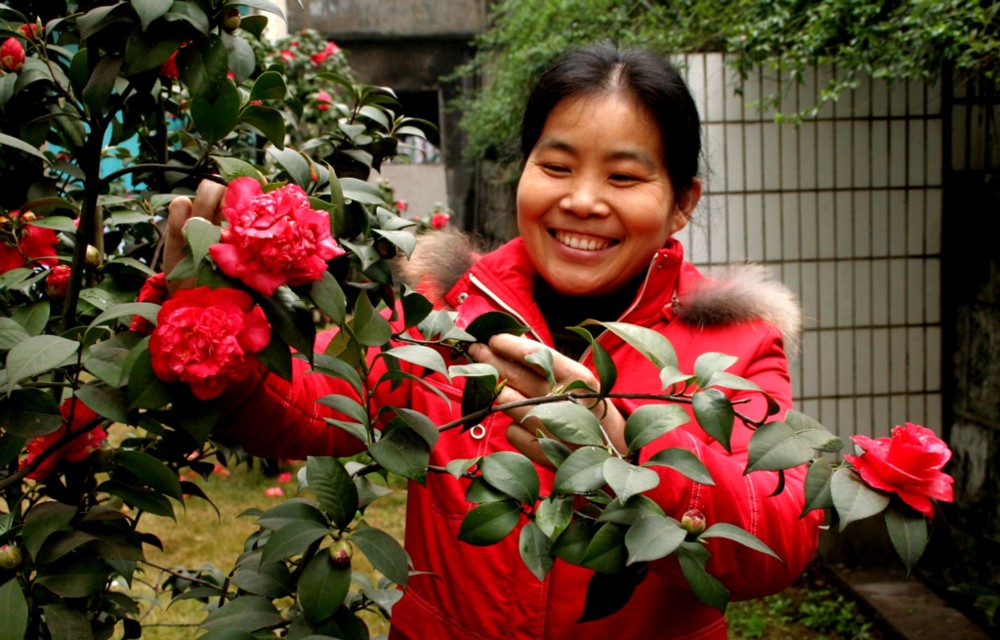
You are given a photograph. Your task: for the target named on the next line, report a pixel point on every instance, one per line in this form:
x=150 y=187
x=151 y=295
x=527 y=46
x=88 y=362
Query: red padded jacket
x=487 y=593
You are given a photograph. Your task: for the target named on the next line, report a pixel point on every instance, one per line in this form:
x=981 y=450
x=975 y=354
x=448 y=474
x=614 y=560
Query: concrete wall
x=390 y=19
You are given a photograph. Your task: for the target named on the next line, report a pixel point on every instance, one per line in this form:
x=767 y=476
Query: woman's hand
x=208 y=205
x=508 y=354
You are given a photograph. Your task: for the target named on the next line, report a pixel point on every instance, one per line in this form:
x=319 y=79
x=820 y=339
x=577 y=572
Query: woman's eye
x=555 y=168
x=623 y=177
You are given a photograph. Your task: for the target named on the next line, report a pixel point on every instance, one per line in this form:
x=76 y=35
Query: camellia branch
x=138 y=168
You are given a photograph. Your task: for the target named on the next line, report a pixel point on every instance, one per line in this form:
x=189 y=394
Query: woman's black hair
x=649 y=79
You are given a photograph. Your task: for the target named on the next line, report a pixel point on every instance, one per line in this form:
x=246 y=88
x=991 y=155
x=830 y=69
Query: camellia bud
x=231 y=20
x=57 y=282
x=93 y=259
x=693 y=521
x=28 y=216
x=341 y=551
x=10 y=557
x=12 y=55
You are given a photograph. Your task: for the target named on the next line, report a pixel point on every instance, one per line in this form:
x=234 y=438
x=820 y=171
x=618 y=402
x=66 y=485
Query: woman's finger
x=207 y=204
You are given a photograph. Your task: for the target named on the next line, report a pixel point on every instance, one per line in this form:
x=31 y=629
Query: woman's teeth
x=584 y=243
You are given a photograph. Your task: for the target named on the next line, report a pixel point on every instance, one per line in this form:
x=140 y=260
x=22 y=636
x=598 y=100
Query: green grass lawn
x=812 y=609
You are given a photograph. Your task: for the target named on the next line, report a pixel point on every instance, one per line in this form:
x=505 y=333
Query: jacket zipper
x=506 y=307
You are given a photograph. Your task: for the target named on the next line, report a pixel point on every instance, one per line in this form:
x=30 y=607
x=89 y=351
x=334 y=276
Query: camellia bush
x=111 y=109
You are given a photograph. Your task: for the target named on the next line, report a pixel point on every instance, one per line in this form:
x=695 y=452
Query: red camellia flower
x=206 y=338
x=273 y=238
x=908 y=464
x=287 y=55
x=323 y=100
x=24 y=245
x=12 y=55
x=75 y=450
x=169 y=68
x=57 y=281
x=440 y=220
x=29 y=30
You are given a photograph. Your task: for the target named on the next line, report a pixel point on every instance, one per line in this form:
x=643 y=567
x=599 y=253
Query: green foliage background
x=896 y=40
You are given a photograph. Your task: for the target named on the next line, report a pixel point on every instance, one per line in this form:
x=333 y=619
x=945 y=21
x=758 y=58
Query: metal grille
x=846 y=210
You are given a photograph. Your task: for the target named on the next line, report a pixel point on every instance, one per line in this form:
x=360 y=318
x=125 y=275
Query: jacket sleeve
x=741 y=499
x=274 y=418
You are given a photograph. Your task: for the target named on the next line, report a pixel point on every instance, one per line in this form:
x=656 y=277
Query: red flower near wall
x=207 y=338
x=273 y=238
x=75 y=450
x=908 y=464
x=24 y=245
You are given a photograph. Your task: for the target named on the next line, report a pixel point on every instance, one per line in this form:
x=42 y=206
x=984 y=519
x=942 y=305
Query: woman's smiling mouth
x=581 y=242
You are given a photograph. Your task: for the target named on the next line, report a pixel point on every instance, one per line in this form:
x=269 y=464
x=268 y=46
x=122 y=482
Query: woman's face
x=595 y=202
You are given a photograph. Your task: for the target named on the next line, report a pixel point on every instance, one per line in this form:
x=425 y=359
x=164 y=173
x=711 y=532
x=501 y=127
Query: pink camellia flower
x=12 y=55
x=908 y=464
x=331 y=48
x=440 y=220
x=287 y=55
x=75 y=450
x=24 y=245
x=57 y=281
x=207 y=338
x=284 y=478
x=323 y=100
x=401 y=205
x=274 y=492
x=318 y=58
x=273 y=238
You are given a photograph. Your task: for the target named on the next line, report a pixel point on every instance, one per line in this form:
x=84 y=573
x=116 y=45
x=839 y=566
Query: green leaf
x=817 y=486
x=143 y=53
x=553 y=515
x=245 y=613
x=37 y=355
x=607 y=593
x=606 y=552
x=21 y=145
x=11 y=334
x=271 y=580
x=139 y=498
x=650 y=421
x=638 y=506
x=28 y=413
x=489 y=523
x=570 y=422
x=420 y=423
x=33 y=317
x=145 y=390
x=513 y=474
x=415 y=308
x=908 y=533
x=290 y=319
x=708 y=364
x=15 y=611
x=150 y=10
x=292 y=540
x=404 y=452
x=492 y=323
x=102 y=83
x=853 y=499
x=200 y=234
x=333 y=487
x=370 y=328
x=232 y=168
x=329 y=297
x=64 y=224
x=323 y=586
x=74 y=577
x=535 y=548
x=715 y=414
x=582 y=472
x=106 y=401
x=44 y=519
x=215 y=116
x=294 y=163
x=419 y=355
x=384 y=552
x=267 y=120
x=573 y=542
x=542 y=358
x=361 y=191
x=241 y=56
x=478 y=394
x=683 y=462
x=607 y=372
x=627 y=479
x=479 y=491
x=151 y=472
x=290 y=511
x=146 y=310
x=653 y=537
x=741 y=536
x=651 y=344
x=269 y=85
x=345 y=405
x=706 y=588
x=813 y=432
x=338 y=369
x=203 y=66
x=776 y=446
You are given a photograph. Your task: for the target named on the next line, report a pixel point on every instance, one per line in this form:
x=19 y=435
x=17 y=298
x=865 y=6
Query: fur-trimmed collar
x=739 y=293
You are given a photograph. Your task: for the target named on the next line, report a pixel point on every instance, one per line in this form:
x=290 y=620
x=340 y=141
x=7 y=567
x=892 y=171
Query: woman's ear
x=685 y=206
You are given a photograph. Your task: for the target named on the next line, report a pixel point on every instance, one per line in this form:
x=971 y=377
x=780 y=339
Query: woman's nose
x=585 y=198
